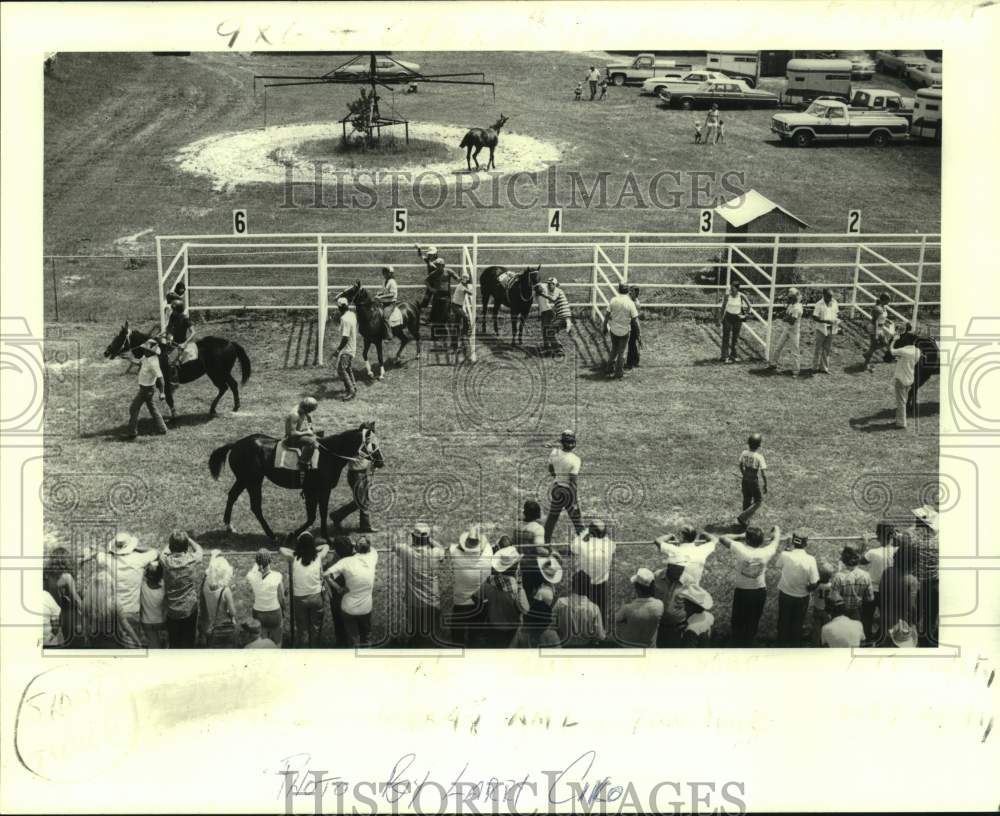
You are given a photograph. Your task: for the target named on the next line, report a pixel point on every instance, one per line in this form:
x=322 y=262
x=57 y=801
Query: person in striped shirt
x=562 y=317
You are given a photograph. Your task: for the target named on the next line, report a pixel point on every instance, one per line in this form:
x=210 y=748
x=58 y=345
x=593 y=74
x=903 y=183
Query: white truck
x=643 y=67
x=830 y=120
x=879 y=99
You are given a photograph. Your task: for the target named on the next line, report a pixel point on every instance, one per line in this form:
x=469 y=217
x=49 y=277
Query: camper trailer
x=809 y=79
x=743 y=65
x=927 y=114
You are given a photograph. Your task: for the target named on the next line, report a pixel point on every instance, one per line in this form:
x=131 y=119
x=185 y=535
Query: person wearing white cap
x=461 y=300
x=127 y=564
x=799 y=577
x=348 y=348
x=924 y=540
x=904 y=349
x=388 y=295
x=545 y=315
x=471 y=564
x=594 y=552
x=435 y=272
x=562 y=317
x=698 y=629
x=420 y=558
x=150 y=380
x=506 y=601
x=621 y=318
x=637 y=622
x=564 y=468
x=299 y=431
x=788 y=332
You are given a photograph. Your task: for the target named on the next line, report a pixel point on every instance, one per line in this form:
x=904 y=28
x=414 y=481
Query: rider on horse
x=388 y=296
x=299 y=431
x=179 y=337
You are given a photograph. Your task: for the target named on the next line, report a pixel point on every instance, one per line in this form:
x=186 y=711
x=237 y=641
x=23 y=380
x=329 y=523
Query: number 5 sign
x=239 y=222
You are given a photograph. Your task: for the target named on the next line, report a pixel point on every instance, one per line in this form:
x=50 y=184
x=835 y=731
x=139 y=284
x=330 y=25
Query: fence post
x=593 y=286
x=920 y=280
x=322 y=298
x=854 y=284
x=161 y=299
x=55 y=287
x=474 y=272
x=771 y=293
x=187 y=281
x=625 y=258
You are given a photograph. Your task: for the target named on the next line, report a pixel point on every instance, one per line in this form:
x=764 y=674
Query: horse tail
x=241 y=355
x=218 y=459
x=468 y=140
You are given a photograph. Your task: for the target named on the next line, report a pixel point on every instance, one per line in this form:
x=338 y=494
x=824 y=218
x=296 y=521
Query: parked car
x=894 y=62
x=733 y=93
x=926 y=75
x=384 y=68
x=643 y=67
x=680 y=80
x=927 y=114
x=879 y=99
x=809 y=79
x=862 y=65
x=833 y=120
x=742 y=65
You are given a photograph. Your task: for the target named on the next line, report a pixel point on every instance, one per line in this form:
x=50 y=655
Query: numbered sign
x=705 y=221
x=555 y=220
x=239 y=222
x=399 y=220
x=854 y=222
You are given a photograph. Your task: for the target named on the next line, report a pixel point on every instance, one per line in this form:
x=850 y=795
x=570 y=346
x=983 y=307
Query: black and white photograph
x=446 y=344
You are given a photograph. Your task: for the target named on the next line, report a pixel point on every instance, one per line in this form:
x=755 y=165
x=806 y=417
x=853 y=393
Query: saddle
x=393 y=318
x=286 y=457
x=507 y=279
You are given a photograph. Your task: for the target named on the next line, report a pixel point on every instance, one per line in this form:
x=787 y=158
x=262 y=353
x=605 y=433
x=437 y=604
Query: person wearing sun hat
x=420 y=558
x=924 y=537
x=150 y=380
x=506 y=601
x=471 y=564
x=127 y=564
x=903 y=635
x=636 y=623
x=698 y=627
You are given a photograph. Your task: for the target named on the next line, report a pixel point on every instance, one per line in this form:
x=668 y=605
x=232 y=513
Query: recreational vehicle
x=743 y=65
x=927 y=114
x=809 y=79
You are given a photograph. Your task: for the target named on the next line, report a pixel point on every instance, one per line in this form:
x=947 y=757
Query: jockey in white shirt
x=388 y=296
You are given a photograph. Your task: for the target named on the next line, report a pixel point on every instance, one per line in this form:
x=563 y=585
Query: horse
x=251 y=460
x=216 y=358
x=518 y=298
x=374 y=329
x=478 y=138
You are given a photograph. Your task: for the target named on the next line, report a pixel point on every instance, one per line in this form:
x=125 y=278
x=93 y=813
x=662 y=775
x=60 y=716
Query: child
x=753 y=472
x=697 y=131
x=720 y=134
x=578 y=92
x=604 y=89
x=822 y=602
x=152 y=613
x=877 y=330
x=698 y=629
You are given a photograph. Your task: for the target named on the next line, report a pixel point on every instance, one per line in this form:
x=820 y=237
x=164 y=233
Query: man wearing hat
x=461 y=301
x=419 y=558
x=788 y=332
x=621 y=318
x=594 y=552
x=299 y=431
x=471 y=561
x=637 y=622
x=698 y=627
x=799 y=577
x=546 y=315
x=436 y=269
x=924 y=537
x=150 y=380
x=506 y=600
x=564 y=468
x=127 y=563
x=348 y=348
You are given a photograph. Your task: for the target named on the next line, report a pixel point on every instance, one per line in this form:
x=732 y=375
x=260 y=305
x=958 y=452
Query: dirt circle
x=265 y=155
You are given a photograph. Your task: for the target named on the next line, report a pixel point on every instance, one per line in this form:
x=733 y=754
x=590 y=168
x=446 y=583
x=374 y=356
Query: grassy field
x=462 y=444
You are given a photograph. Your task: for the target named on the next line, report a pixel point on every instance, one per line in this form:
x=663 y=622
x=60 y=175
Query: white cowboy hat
x=928 y=515
x=123 y=543
x=903 y=635
x=697 y=595
x=473 y=540
x=506 y=558
x=643 y=577
x=550 y=568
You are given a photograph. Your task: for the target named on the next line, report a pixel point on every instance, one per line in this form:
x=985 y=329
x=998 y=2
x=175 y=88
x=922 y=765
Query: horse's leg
x=468 y=157
x=310 y=513
x=486 y=305
x=223 y=386
x=235 y=388
x=255 y=493
x=403 y=340
x=364 y=356
x=324 y=506
x=496 y=316
x=381 y=360
x=491 y=163
x=475 y=155
x=234 y=493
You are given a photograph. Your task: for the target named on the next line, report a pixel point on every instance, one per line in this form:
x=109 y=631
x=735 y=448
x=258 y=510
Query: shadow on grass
x=147 y=428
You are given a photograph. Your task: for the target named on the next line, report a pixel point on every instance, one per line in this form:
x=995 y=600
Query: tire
x=687 y=103
x=751 y=82
x=878 y=139
x=658 y=90
x=802 y=138
x=618 y=79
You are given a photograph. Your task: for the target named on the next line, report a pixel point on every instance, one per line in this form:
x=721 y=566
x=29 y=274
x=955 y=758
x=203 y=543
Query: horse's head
x=353 y=295
x=120 y=342
x=501 y=121
x=370 y=445
x=533 y=275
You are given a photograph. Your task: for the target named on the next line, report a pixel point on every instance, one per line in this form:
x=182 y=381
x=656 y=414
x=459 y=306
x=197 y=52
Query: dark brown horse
x=374 y=328
x=518 y=298
x=216 y=358
x=252 y=460
x=478 y=138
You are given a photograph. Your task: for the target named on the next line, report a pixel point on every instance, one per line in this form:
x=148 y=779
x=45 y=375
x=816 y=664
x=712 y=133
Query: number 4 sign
x=239 y=222
x=555 y=220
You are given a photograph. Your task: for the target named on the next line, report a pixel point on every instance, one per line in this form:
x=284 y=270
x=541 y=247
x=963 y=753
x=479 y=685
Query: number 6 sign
x=239 y=222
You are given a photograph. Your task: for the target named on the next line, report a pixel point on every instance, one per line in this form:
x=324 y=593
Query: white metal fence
x=298 y=272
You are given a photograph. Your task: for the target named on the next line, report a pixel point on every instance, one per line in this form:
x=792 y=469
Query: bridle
x=366 y=450
x=127 y=347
